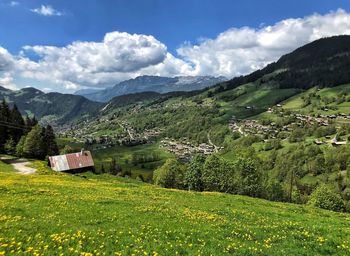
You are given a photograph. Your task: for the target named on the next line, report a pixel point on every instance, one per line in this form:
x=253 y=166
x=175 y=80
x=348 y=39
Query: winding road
x=20 y=165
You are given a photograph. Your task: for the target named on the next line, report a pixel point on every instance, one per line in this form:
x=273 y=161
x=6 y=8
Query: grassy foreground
x=103 y=215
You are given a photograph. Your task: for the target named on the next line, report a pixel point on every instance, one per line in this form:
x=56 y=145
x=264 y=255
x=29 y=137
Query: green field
x=104 y=215
x=123 y=155
x=296 y=103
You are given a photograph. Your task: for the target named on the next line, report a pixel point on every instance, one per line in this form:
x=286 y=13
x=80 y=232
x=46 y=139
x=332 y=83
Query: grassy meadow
x=123 y=156
x=45 y=214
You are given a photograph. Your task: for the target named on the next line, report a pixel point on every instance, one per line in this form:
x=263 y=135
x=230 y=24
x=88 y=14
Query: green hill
x=53 y=108
x=103 y=215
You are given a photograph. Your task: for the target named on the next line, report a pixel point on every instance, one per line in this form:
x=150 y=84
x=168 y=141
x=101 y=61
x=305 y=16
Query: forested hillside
x=51 y=108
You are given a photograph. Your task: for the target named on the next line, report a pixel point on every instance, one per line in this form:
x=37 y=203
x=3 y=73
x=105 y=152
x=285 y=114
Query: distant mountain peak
x=159 y=84
x=31 y=90
x=4 y=89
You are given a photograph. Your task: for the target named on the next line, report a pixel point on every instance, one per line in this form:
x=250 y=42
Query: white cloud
x=94 y=63
x=243 y=50
x=120 y=56
x=6 y=60
x=6 y=80
x=47 y=10
x=14 y=3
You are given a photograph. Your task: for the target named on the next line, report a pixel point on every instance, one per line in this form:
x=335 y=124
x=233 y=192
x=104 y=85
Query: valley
x=246 y=166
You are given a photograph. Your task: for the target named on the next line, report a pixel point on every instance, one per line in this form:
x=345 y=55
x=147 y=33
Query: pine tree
x=103 y=169
x=10 y=146
x=50 y=142
x=17 y=120
x=4 y=123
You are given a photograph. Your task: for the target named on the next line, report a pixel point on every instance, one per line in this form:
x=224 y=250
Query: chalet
x=74 y=162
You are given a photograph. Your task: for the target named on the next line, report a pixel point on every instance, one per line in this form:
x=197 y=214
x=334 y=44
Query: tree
x=325 y=198
x=66 y=150
x=4 y=122
x=10 y=146
x=103 y=169
x=30 y=123
x=50 y=142
x=274 y=191
x=114 y=168
x=34 y=145
x=17 y=120
x=169 y=175
x=218 y=175
x=250 y=177
x=20 y=146
x=193 y=175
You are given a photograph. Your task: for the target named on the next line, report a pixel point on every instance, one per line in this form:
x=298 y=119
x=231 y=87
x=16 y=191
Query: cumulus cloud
x=47 y=10
x=6 y=60
x=240 y=51
x=94 y=63
x=6 y=81
x=120 y=56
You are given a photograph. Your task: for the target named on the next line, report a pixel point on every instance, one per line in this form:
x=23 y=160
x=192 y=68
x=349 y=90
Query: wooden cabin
x=74 y=162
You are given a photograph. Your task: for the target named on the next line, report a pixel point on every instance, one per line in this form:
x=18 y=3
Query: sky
x=64 y=46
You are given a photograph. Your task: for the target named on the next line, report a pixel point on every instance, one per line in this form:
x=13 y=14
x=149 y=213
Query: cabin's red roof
x=80 y=160
x=71 y=161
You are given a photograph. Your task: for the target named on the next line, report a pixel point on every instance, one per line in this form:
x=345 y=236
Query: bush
x=218 y=175
x=169 y=175
x=193 y=175
x=325 y=198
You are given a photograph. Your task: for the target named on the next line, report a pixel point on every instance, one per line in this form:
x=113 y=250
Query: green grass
x=123 y=156
x=4 y=167
x=104 y=215
x=296 y=103
x=263 y=98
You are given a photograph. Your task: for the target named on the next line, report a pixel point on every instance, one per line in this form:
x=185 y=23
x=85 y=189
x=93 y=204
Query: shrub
x=325 y=198
x=218 y=175
x=169 y=175
x=193 y=175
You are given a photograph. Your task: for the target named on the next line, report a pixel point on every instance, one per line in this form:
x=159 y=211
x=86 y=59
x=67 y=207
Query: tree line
x=246 y=175
x=24 y=137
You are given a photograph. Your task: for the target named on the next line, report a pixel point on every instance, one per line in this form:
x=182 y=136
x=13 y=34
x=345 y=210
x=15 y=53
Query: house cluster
x=271 y=130
x=185 y=150
x=125 y=135
x=253 y=127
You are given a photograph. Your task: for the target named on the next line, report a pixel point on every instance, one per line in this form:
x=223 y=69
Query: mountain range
x=151 y=84
x=54 y=108
x=322 y=63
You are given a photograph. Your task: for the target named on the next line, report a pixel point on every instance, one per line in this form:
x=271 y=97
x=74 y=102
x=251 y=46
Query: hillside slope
x=54 y=108
x=91 y=215
x=323 y=63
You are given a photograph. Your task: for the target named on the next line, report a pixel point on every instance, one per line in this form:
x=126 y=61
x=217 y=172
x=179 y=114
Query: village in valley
x=269 y=129
x=119 y=132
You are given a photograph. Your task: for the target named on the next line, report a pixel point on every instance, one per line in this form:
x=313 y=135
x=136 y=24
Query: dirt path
x=20 y=165
x=22 y=168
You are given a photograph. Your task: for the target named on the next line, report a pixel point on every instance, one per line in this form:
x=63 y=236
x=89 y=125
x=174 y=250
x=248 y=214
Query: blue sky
x=171 y=22
x=177 y=27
